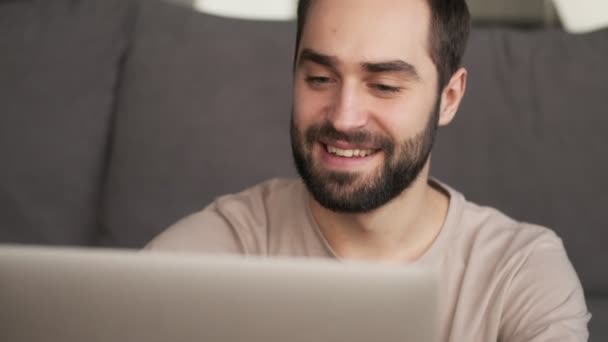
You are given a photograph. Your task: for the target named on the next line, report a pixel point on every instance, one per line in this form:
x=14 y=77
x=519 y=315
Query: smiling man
x=373 y=81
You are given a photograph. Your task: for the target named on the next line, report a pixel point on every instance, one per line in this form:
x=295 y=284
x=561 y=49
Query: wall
x=577 y=15
x=524 y=11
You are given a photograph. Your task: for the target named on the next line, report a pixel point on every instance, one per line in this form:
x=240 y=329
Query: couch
x=118 y=117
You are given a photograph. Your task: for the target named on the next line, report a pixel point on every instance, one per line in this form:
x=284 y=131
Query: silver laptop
x=115 y=296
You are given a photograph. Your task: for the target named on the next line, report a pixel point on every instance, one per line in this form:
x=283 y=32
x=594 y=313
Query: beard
x=352 y=192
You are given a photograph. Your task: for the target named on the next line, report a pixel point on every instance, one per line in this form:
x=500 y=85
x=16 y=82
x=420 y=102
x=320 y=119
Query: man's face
x=365 y=101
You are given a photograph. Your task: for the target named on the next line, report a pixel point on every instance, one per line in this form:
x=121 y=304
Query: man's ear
x=451 y=96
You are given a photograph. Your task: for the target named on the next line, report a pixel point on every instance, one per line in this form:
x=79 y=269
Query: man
x=373 y=80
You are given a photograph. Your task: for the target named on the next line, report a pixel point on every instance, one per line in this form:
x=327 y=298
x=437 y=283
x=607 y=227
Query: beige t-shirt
x=500 y=280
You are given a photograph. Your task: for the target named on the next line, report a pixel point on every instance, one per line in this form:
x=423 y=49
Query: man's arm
x=545 y=300
x=206 y=232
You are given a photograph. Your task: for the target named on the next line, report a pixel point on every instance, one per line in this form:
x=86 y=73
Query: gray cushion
x=598 y=327
x=530 y=137
x=58 y=63
x=204 y=110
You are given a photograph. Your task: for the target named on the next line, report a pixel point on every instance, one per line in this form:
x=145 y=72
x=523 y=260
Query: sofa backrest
x=203 y=110
x=201 y=106
x=59 y=67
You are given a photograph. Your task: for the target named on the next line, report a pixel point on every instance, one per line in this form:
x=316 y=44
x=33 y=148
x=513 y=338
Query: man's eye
x=386 y=88
x=318 y=80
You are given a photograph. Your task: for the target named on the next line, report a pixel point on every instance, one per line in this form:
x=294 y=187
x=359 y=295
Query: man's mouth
x=349 y=153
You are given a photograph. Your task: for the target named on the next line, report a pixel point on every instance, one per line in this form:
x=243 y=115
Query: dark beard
x=347 y=192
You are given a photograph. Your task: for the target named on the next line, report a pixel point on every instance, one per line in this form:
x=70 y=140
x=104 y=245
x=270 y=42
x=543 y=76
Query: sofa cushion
x=59 y=62
x=204 y=110
x=598 y=329
x=530 y=137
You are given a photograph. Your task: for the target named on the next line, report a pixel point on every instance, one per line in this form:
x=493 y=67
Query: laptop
x=68 y=294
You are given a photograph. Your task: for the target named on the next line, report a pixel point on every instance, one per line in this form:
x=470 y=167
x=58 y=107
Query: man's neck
x=400 y=231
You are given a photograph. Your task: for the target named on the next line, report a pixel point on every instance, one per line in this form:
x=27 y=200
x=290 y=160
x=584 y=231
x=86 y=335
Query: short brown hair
x=449 y=32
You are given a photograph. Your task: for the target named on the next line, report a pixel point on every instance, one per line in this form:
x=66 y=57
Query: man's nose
x=347 y=113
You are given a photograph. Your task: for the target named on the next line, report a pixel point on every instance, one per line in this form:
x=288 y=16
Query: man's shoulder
x=492 y=223
x=486 y=227
x=524 y=266
x=233 y=223
x=261 y=205
x=268 y=193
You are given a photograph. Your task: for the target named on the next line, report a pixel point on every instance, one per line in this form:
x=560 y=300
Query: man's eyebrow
x=396 y=66
x=309 y=55
x=393 y=66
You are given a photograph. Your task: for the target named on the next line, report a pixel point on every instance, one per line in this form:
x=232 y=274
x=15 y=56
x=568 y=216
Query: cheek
x=407 y=116
x=308 y=106
x=399 y=118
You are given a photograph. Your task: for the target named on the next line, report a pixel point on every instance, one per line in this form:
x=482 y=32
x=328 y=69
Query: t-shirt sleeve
x=232 y=224
x=545 y=300
x=207 y=232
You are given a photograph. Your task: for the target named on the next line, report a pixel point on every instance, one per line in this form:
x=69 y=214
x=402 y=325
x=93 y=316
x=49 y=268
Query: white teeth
x=348 y=153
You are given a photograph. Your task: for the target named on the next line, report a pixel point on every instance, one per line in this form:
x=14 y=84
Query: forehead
x=356 y=30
